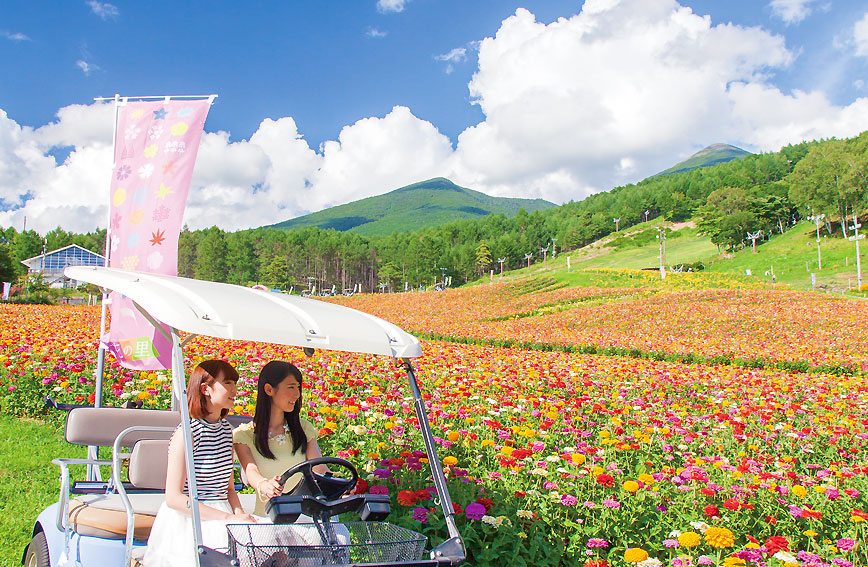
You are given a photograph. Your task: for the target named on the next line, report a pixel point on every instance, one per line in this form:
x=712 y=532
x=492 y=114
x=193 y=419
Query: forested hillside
x=763 y=192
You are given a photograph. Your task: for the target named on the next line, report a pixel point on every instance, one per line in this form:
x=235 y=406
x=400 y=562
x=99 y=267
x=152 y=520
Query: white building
x=52 y=264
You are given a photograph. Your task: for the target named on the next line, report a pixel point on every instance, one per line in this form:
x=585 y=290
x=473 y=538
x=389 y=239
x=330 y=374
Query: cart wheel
x=37 y=552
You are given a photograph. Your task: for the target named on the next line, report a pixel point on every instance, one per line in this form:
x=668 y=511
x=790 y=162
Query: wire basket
x=329 y=543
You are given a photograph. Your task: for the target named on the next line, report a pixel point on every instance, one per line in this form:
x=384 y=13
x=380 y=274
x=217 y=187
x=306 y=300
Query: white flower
x=553 y=458
x=650 y=562
x=146 y=170
x=701 y=526
x=786 y=557
x=524 y=514
x=674 y=533
x=490 y=520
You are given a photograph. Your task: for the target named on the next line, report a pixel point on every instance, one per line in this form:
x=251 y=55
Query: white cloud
x=86 y=68
x=385 y=6
x=103 y=9
x=791 y=11
x=456 y=55
x=14 y=36
x=375 y=33
x=618 y=92
x=860 y=36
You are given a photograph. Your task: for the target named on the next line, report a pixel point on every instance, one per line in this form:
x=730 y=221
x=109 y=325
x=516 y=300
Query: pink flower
x=569 y=500
x=611 y=503
x=474 y=511
x=420 y=514
x=597 y=542
x=379 y=489
x=845 y=544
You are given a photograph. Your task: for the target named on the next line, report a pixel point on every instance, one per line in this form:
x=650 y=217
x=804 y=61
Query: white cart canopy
x=228 y=311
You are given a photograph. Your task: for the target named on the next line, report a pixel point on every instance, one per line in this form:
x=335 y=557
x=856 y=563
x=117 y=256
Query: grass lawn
x=28 y=480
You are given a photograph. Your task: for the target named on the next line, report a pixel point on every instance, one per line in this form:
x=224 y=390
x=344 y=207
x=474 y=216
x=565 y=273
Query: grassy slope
x=28 y=482
x=429 y=203
x=785 y=253
x=711 y=155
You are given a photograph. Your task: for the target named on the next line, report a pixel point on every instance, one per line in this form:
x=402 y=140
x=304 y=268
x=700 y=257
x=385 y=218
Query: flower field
x=557 y=458
x=750 y=325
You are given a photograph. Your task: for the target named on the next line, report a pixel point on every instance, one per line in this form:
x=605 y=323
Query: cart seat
x=103 y=515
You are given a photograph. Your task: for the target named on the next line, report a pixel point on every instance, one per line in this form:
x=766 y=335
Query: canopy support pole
x=453 y=548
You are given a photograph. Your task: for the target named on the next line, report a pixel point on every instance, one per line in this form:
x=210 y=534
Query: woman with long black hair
x=278 y=438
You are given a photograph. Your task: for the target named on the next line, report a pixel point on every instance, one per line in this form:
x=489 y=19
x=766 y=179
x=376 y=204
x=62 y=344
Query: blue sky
x=366 y=83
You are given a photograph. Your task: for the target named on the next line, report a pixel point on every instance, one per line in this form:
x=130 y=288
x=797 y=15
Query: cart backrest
x=101 y=426
x=148 y=463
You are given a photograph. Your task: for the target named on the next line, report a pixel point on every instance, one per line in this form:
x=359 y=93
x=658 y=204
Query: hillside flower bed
x=552 y=458
x=751 y=325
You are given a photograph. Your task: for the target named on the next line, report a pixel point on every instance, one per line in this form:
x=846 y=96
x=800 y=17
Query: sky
x=323 y=103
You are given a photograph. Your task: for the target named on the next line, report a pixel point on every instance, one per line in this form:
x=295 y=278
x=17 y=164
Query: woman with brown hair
x=211 y=394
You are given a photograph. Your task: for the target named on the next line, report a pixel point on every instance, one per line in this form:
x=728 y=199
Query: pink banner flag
x=155 y=151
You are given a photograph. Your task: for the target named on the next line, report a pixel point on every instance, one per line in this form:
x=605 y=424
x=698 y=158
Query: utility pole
x=856 y=238
x=817 y=219
x=661 y=236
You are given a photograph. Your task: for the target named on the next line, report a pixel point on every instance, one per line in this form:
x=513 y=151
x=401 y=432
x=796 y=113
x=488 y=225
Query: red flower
x=596 y=563
x=488 y=504
x=457 y=508
x=705 y=491
x=777 y=543
x=771 y=520
x=519 y=494
x=731 y=504
x=423 y=494
x=808 y=513
x=711 y=511
x=361 y=487
x=407 y=498
x=606 y=480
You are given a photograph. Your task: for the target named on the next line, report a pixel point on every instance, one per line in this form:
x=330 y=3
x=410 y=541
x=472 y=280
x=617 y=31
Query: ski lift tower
x=545 y=253
x=554 y=248
x=752 y=238
x=817 y=218
x=617 y=224
x=528 y=257
x=501 y=260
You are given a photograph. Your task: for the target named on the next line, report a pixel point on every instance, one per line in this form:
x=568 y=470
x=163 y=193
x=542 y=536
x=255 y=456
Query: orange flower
x=407 y=498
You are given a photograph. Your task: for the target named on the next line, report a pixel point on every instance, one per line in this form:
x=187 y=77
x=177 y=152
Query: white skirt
x=171 y=541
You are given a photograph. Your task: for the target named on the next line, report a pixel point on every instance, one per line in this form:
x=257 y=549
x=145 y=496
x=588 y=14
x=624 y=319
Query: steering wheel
x=315 y=484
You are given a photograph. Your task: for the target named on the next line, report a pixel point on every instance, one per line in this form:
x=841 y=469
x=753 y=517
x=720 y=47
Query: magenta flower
x=420 y=514
x=474 y=511
x=597 y=542
x=378 y=489
x=569 y=500
x=671 y=543
x=845 y=544
x=611 y=503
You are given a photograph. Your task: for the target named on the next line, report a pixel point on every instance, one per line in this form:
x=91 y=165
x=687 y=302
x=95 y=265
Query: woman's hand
x=240 y=517
x=269 y=488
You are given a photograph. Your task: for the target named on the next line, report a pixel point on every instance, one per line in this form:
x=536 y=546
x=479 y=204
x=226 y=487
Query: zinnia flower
x=635 y=555
x=845 y=545
x=569 y=500
x=631 y=486
x=407 y=498
x=719 y=537
x=606 y=480
x=420 y=515
x=777 y=543
x=474 y=511
x=689 y=539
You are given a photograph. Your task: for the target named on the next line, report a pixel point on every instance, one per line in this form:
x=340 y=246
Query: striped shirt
x=212 y=458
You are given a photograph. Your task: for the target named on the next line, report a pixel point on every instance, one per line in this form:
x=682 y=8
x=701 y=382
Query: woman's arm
x=312 y=452
x=176 y=474
x=265 y=487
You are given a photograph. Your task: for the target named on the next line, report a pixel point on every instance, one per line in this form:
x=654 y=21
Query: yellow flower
x=635 y=555
x=800 y=490
x=522 y=535
x=578 y=459
x=453 y=436
x=809 y=533
x=733 y=561
x=450 y=461
x=646 y=478
x=631 y=486
x=857 y=519
x=719 y=537
x=689 y=539
x=487 y=443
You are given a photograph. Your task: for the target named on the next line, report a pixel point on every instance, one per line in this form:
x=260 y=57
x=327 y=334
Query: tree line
x=762 y=192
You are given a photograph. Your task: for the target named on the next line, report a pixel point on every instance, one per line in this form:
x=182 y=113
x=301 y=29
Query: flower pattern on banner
x=146 y=213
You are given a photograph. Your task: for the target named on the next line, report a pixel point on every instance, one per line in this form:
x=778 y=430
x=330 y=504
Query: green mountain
x=710 y=155
x=428 y=203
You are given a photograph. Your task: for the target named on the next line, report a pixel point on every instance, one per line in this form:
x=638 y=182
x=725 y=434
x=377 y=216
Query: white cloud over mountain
x=620 y=91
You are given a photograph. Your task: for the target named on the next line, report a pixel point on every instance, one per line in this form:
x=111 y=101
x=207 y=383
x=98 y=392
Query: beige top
x=284 y=459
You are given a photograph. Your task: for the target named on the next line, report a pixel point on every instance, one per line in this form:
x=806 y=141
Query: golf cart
x=96 y=522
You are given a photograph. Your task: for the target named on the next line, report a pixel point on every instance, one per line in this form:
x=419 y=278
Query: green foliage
x=7 y=268
x=708 y=156
x=390 y=274
x=483 y=256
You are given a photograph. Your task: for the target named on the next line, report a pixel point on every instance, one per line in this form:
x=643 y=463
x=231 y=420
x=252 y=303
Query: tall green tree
x=211 y=254
x=483 y=257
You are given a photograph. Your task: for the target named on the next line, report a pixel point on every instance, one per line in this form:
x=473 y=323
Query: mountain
x=710 y=155
x=427 y=203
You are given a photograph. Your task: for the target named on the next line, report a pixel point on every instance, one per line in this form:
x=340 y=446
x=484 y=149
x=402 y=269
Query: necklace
x=279 y=438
